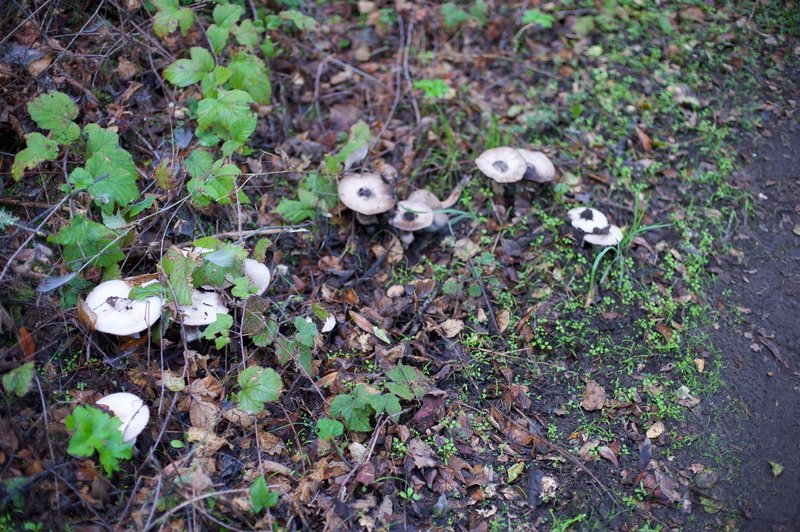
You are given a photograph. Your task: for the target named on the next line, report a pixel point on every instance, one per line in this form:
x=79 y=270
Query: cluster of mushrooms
x=370 y=194
x=595 y=226
x=109 y=309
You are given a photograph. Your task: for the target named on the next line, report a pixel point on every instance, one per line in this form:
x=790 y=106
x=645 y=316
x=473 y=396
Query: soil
x=753 y=420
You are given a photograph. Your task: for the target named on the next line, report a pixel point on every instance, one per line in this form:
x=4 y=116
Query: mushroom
x=107 y=309
x=411 y=216
x=367 y=194
x=440 y=219
x=504 y=165
x=203 y=310
x=539 y=167
x=258 y=274
x=611 y=238
x=131 y=411
x=588 y=220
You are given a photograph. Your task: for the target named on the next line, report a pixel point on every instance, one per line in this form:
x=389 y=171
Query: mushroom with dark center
x=501 y=166
x=504 y=164
x=364 y=192
x=588 y=220
x=367 y=194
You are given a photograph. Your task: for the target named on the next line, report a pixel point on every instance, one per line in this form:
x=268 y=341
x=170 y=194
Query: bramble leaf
x=306 y=331
x=184 y=72
x=329 y=429
x=39 y=150
x=84 y=239
x=55 y=111
x=251 y=74
x=261 y=496
x=219 y=331
x=170 y=16
x=259 y=385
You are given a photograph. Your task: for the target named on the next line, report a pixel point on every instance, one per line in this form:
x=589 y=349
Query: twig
x=409 y=83
x=367 y=455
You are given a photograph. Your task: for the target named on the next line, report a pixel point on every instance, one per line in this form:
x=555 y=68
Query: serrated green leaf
x=300 y=21
x=306 y=331
x=179 y=270
x=246 y=34
x=358 y=139
x=94 y=430
x=219 y=331
x=184 y=72
x=39 y=150
x=216 y=115
x=453 y=15
x=227 y=14
x=143 y=292
x=19 y=380
x=386 y=403
x=85 y=240
x=217 y=186
x=534 y=16
x=329 y=429
x=251 y=74
x=170 y=16
x=354 y=412
x=55 y=111
x=198 y=163
x=259 y=386
x=406 y=382
x=261 y=496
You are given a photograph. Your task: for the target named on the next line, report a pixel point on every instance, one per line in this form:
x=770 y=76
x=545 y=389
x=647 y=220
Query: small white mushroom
x=367 y=194
x=258 y=274
x=203 y=310
x=504 y=165
x=412 y=216
x=587 y=219
x=131 y=411
x=611 y=238
x=440 y=219
x=107 y=309
x=539 y=166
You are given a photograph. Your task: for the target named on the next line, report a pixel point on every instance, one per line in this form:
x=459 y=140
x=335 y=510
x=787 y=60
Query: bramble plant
x=19 y=380
x=95 y=431
x=261 y=496
x=258 y=386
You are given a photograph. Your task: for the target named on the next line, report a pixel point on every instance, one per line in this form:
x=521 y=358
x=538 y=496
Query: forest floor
x=498 y=373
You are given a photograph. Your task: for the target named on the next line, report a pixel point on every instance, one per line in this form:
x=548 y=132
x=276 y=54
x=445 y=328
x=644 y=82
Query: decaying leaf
x=593 y=396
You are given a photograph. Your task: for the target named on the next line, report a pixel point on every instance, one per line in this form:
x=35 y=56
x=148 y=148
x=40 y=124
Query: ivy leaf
x=18 y=381
x=39 y=150
x=329 y=429
x=251 y=74
x=94 y=430
x=219 y=331
x=184 y=72
x=406 y=382
x=306 y=331
x=170 y=16
x=261 y=496
x=259 y=385
x=55 y=111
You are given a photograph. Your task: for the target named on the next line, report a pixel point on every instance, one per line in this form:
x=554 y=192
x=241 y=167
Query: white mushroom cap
x=587 y=219
x=366 y=193
x=131 y=411
x=539 y=166
x=504 y=165
x=412 y=216
x=204 y=308
x=258 y=274
x=440 y=219
x=612 y=238
x=107 y=309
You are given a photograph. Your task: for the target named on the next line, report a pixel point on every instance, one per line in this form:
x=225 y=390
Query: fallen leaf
x=608 y=454
x=451 y=327
x=503 y=317
x=514 y=471
x=700 y=364
x=421 y=453
x=656 y=430
x=777 y=468
x=644 y=139
x=593 y=396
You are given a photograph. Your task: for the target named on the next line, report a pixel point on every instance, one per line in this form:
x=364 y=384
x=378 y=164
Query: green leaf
x=170 y=16
x=184 y=72
x=109 y=173
x=94 y=430
x=435 y=89
x=300 y=21
x=39 y=150
x=388 y=403
x=250 y=74
x=406 y=382
x=18 y=381
x=85 y=240
x=56 y=112
x=143 y=292
x=217 y=186
x=381 y=334
x=259 y=385
x=247 y=34
x=329 y=429
x=198 y=163
x=295 y=211
x=179 y=271
x=776 y=468
x=219 y=331
x=225 y=16
x=306 y=331
x=243 y=288
x=534 y=16
x=453 y=15
x=358 y=139
x=261 y=496
x=479 y=10
x=355 y=412
x=217 y=115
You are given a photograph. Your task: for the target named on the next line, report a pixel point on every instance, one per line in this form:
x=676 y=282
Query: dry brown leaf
x=210 y=443
x=656 y=430
x=269 y=467
x=421 y=453
x=203 y=414
x=451 y=328
x=593 y=396
x=644 y=139
x=362 y=322
x=608 y=454
x=503 y=317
